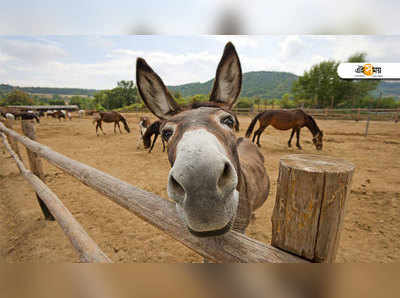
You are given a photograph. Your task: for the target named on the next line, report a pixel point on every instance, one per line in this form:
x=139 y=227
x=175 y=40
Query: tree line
x=319 y=87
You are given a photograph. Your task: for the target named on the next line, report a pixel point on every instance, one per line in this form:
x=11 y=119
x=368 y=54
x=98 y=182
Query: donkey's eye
x=166 y=134
x=228 y=120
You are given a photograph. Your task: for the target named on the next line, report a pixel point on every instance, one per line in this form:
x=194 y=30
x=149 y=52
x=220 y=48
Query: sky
x=100 y=61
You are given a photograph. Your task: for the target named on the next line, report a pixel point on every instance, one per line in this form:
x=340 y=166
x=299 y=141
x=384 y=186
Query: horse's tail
x=252 y=124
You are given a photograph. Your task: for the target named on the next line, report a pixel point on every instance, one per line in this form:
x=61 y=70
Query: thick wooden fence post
x=35 y=163
x=310 y=204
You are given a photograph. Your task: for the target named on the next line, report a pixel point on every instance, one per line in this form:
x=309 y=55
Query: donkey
x=284 y=120
x=110 y=117
x=216 y=180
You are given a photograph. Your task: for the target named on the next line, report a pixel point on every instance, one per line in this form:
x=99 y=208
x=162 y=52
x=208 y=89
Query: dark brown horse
x=58 y=115
x=216 y=180
x=153 y=129
x=26 y=116
x=284 y=120
x=110 y=117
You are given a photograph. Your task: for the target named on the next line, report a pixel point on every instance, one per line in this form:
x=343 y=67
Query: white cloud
x=291 y=46
x=31 y=52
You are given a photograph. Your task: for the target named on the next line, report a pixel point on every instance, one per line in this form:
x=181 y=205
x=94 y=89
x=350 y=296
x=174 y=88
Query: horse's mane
x=313 y=123
x=153 y=129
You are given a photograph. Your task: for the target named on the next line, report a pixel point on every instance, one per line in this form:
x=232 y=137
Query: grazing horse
x=26 y=116
x=216 y=180
x=58 y=115
x=284 y=120
x=153 y=129
x=110 y=117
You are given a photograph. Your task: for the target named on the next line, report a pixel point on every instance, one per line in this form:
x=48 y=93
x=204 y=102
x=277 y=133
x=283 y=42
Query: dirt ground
x=371 y=231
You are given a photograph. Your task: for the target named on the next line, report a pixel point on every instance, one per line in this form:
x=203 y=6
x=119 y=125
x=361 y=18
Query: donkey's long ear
x=228 y=80
x=153 y=91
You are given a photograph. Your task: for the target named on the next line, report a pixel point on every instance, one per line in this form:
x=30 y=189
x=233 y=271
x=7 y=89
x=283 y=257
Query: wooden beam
x=161 y=213
x=86 y=247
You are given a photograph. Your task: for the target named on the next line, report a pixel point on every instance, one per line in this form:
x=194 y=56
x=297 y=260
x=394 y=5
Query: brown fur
x=58 y=115
x=253 y=184
x=252 y=179
x=110 y=117
x=284 y=120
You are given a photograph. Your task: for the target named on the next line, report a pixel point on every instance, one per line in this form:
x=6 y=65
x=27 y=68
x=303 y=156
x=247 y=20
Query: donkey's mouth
x=213 y=232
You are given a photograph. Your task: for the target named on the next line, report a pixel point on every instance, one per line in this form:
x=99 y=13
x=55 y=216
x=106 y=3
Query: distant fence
x=318 y=219
x=356 y=114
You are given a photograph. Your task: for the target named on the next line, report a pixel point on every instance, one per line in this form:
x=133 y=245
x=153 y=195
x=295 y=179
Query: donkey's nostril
x=176 y=189
x=226 y=176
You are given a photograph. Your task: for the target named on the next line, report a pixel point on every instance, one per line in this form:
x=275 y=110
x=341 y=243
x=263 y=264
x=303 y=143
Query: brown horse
x=216 y=180
x=153 y=129
x=110 y=117
x=58 y=115
x=284 y=120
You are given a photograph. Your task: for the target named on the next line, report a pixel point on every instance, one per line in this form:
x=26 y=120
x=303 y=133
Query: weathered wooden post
x=35 y=163
x=13 y=142
x=310 y=204
x=358 y=114
x=367 y=125
x=396 y=116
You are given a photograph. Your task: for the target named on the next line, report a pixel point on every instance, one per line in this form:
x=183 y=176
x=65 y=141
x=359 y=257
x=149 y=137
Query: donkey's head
x=205 y=170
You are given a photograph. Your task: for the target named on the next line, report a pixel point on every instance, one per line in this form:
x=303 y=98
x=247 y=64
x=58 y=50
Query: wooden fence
x=356 y=114
x=310 y=211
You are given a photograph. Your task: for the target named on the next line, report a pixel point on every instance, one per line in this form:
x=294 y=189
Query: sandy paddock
x=371 y=230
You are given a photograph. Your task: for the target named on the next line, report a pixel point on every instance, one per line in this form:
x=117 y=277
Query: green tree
x=286 y=102
x=322 y=87
x=17 y=98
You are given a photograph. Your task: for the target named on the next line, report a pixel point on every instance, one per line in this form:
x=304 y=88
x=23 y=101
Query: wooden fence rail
x=161 y=213
x=86 y=247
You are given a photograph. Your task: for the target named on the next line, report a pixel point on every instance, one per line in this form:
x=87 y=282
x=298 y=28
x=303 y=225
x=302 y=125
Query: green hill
x=4 y=88
x=264 y=84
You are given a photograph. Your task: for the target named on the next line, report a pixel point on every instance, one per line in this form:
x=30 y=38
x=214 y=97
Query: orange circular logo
x=368 y=69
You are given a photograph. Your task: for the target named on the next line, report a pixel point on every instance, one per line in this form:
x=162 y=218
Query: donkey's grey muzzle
x=203 y=183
